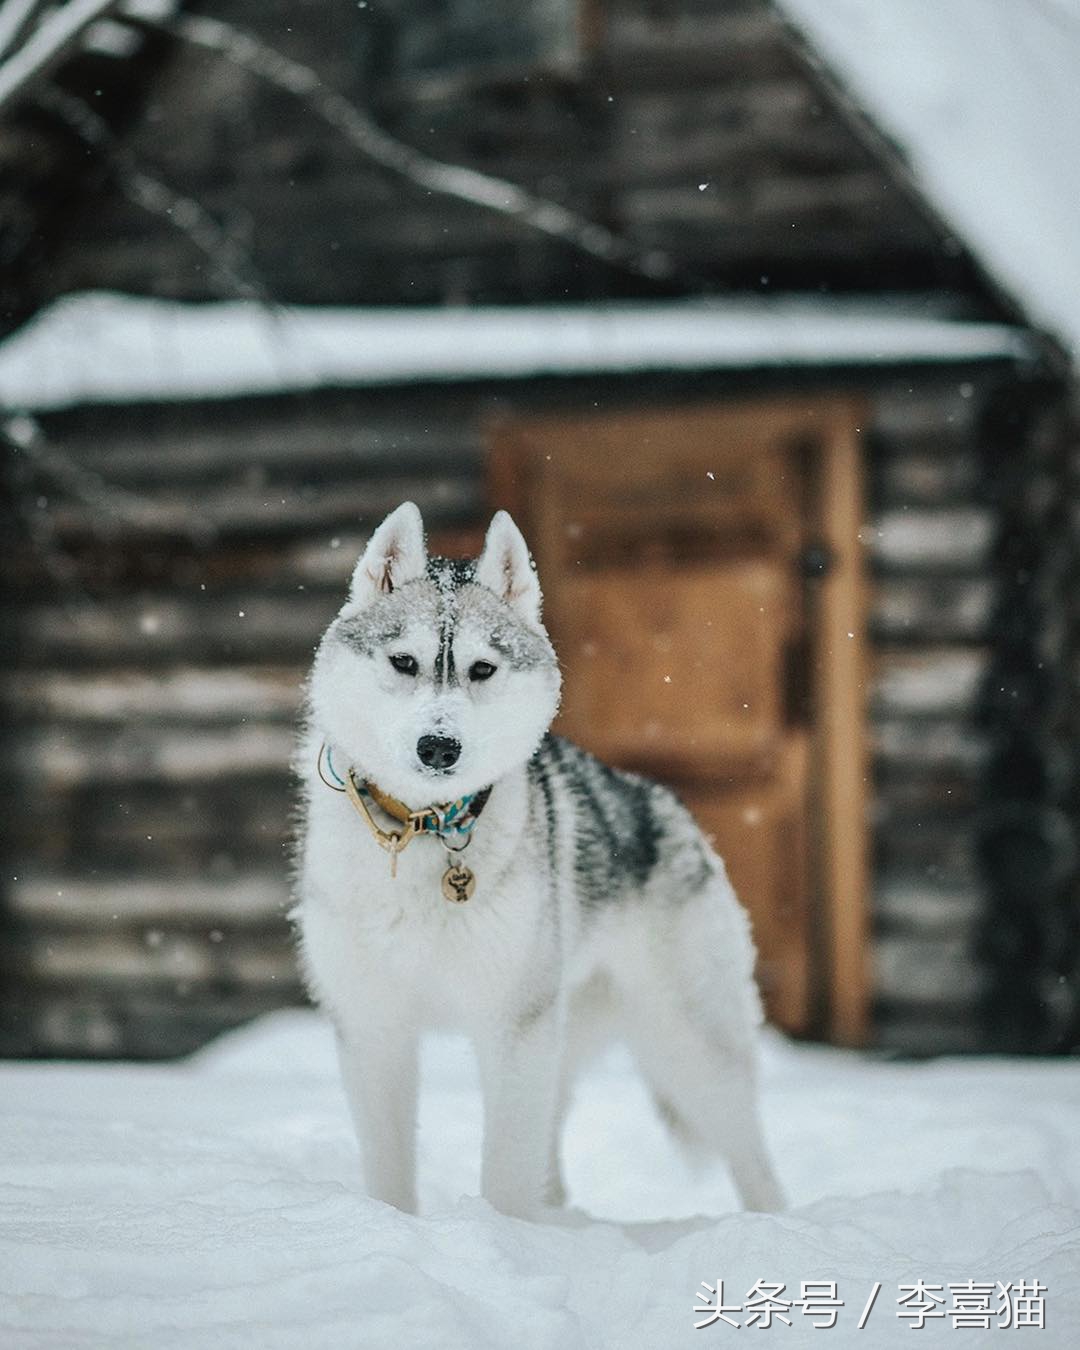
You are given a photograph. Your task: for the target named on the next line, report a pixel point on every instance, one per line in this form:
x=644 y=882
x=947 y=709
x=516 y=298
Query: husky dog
x=586 y=903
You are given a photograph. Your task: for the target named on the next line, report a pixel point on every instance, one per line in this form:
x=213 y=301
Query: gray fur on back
x=627 y=830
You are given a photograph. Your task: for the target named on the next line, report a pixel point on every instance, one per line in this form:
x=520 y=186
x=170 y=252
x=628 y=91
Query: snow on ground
x=217 y=1203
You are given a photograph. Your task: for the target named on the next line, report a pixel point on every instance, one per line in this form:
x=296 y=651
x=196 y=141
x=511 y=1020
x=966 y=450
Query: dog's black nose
x=438 y=752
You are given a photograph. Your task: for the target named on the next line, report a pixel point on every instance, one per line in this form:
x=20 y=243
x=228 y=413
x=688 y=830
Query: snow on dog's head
x=437 y=677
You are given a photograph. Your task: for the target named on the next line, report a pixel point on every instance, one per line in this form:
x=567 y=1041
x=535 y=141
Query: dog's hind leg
x=554 y=1183
x=379 y=1069
x=707 y=1092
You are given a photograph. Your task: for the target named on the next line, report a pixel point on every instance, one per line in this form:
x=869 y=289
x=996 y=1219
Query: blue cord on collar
x=333 y=772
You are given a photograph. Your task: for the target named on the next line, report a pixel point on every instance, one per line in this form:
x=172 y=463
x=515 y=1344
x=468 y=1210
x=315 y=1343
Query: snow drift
x=218 y=1203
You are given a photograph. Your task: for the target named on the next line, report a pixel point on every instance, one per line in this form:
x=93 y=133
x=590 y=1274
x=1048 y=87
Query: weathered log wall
x=169 y=571
x=694 y=130
x=163 y=605
x=929 y=537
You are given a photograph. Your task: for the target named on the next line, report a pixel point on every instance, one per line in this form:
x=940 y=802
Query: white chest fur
x=364 y=927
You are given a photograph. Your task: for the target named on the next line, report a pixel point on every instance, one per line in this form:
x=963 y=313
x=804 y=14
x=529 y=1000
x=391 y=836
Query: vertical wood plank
x=840 y=698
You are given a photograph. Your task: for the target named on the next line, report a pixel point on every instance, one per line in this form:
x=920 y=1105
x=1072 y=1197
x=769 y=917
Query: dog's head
x=437 y=677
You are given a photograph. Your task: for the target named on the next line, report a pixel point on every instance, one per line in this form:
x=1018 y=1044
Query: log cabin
x=791 y=431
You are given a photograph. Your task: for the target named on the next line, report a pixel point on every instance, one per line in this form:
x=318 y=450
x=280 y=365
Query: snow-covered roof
x=984 y=100
x=98 y=348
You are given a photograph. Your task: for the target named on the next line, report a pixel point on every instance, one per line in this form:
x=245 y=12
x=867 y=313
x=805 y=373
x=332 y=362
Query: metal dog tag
x=458 y=883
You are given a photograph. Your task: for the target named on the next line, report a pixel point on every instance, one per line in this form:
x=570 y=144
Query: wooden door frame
x=841 y=832
x=828 y=426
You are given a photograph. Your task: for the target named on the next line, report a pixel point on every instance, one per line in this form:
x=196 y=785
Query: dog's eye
x=481 y=670
x=405 y=664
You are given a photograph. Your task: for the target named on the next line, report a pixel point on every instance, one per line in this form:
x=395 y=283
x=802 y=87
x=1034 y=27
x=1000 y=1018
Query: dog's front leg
x=379 y=1068
x=519 y=1070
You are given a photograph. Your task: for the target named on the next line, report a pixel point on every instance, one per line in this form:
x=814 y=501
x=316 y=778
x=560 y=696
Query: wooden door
x=673 y=547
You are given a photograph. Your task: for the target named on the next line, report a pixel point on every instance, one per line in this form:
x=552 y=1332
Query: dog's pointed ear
x=506 y=568
x=396 y=554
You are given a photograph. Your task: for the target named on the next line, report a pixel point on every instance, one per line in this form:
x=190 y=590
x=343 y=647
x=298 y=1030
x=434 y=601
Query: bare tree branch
x=450 y=180
x=48 y=43
x=24 y=435
x=15 y=16
x=61 y=29
x=183 y=213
